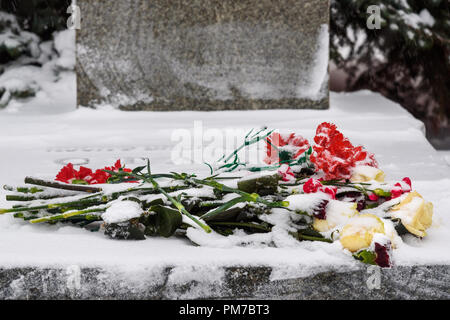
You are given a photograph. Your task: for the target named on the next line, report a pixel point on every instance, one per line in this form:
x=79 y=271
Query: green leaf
x=366 y=256
x=138 y=169
x=79 y=182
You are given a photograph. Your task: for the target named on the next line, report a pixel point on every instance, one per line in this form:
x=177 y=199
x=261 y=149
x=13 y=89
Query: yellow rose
x=367 y=173
x=415 y=213
x=337 y=213
x=358 y=233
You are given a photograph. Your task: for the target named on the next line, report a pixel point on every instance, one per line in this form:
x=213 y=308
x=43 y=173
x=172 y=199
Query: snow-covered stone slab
x=73 y=282
x=32 y=254
x=203 y=54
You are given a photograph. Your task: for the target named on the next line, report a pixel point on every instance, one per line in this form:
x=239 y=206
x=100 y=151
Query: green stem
x=32 y=190
x=349 y=185
x=57 y=185
x=300 y=236
x=254 y=197
x=242 y=224
x=32 y=198
x=87 y=203
x=311 y=238
x=66 y=215
x=255 y=138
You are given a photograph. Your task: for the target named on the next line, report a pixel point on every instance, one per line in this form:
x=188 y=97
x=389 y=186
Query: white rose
x=337 y=213
x=415 y=213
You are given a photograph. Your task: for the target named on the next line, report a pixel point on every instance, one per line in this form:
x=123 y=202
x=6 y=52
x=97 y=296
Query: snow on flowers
x=334 y=154
x=329 y=191
x=283 y=148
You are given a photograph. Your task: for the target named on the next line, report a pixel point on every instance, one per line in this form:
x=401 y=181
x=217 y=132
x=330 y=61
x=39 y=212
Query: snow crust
x=54 y=83
x=415 y=20
x=306 y=202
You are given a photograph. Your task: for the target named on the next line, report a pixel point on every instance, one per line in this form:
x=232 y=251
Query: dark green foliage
x=41 y=17
x=162 y=221
x=129 y=230
x=416 y=68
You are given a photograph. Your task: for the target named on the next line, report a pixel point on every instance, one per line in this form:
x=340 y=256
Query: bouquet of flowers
x=331 y=191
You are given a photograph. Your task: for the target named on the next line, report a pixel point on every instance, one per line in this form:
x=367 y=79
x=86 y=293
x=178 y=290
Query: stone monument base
x=402 y=282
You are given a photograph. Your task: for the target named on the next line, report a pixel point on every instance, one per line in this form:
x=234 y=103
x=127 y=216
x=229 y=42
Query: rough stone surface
x=202 y=54
x=402 y=282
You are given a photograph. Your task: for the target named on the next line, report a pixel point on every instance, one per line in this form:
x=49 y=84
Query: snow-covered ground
x=37 y=144
x=445 y=154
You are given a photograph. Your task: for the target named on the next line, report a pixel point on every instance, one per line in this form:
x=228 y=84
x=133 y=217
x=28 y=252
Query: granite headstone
x=203 y=54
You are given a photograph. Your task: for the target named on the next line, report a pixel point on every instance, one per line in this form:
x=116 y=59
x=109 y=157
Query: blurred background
x=407 y=60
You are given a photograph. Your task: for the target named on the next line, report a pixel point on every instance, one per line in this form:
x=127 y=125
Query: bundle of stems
x=38 y=204
x=84 y=204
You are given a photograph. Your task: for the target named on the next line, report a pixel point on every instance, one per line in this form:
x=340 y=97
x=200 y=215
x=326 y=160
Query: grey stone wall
x=203 y=54
x=402 y=282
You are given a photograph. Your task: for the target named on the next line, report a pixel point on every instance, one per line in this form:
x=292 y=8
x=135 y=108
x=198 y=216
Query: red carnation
x=400 y=188
x=408 y=182
x=84 y=174
x=372 y=196
x=314 y=185
x=283 y=148
x=67 y=174
x=100 y=177
x=335 y=155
